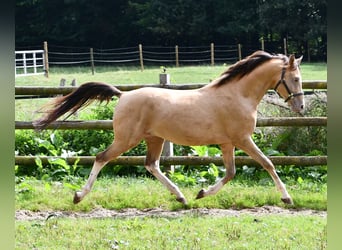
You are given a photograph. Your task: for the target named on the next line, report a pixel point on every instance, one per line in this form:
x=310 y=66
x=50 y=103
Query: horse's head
x=289 y=86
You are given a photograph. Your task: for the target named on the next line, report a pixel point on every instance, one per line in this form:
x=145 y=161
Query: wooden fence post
x=239 y=51
x=141 y=57
x=177 y=58
x=62 y=82
x=285 y=47
x=212 y=57
x=308 y=49
x=46 y=59
x=92 y=61
x=164 y=79
x=262 y=44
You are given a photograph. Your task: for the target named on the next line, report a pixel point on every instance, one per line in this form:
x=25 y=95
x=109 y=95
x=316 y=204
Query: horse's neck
x=258 y=82
x=252 y=86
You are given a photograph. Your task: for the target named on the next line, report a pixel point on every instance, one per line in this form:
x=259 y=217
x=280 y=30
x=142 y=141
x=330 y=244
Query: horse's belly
x=191 y=135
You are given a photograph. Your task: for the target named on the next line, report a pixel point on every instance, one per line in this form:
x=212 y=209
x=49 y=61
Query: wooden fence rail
x=50 y=91
x=107 y=124
x=180 y=160
x=168 y=160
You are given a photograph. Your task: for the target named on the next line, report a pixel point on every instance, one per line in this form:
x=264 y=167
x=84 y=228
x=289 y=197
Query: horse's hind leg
x=228 y=159
x=154 y=149
x=251 y=149
x=114 y=150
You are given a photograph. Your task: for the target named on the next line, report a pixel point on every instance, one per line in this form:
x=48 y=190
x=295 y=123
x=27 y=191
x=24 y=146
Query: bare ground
x=158 y=212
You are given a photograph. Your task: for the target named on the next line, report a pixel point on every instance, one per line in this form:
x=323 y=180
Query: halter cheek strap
x=282 y=81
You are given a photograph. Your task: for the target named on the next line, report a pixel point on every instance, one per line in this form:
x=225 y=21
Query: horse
x=223 y=112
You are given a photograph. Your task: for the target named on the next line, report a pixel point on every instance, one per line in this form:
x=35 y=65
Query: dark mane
x=247 y=65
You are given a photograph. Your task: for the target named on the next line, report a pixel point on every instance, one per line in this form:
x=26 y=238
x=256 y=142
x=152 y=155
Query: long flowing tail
x=81 y=97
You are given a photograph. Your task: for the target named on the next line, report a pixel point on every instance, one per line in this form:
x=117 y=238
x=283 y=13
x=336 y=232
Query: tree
x=303 y=22
x=121 y=23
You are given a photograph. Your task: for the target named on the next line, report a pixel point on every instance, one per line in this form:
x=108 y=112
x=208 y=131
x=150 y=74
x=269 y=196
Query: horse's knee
x=103 y=156
x=151 y=164
x=100 y=156
x=269 y=167
x=107 y=155
x=152 y=168
x=230 y=173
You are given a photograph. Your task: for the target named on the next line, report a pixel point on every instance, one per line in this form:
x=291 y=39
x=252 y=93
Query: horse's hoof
x=77 y=199
x=182 y=200
x=200 y=194
x=287 y=201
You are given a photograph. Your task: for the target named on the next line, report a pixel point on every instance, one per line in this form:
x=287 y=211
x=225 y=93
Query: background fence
x=30 y=62
x=170 y=160
x=138 y=56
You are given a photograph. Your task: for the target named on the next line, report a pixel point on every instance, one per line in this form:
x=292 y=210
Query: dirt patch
x=158 y=212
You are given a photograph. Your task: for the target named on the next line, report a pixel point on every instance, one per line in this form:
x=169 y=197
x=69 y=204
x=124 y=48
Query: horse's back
x=184 y=117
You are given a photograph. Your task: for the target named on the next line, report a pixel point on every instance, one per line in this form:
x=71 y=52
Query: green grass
x=184 y=232
x=142 y=193
x=133 y=75
x=191 y=231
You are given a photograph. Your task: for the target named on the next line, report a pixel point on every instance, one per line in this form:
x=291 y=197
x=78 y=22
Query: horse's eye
x=296 y=79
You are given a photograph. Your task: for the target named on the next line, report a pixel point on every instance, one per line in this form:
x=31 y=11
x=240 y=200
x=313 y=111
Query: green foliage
x=311 y=140
x=193 y=175
x=161 y=22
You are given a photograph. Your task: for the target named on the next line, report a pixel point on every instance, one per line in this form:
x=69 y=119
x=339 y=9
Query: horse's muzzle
x=297 y=105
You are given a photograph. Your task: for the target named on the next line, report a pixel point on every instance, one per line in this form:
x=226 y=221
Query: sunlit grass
x=133 y=75
x=183 y=232
x=142 y=193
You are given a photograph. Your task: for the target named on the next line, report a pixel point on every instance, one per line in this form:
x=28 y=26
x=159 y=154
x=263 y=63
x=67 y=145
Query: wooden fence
x=31 y=92
x=52 y=91
x=169 y=55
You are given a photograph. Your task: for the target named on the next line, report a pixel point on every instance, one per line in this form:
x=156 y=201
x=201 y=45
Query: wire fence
x=140 y=55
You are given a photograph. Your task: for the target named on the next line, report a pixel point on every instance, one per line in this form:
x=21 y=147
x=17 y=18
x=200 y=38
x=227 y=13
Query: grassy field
x=182 y=232
x=185 y=232
x=132 y=75
x=144 y=193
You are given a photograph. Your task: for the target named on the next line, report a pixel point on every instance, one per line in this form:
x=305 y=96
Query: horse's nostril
x=302 y=106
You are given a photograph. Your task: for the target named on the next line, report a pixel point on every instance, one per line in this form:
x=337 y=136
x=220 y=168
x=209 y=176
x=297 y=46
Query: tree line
x=122 y=23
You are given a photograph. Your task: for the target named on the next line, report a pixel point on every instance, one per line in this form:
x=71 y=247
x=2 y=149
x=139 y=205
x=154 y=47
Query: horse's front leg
x=251 y=149
x=154 y=149
x=228 y=159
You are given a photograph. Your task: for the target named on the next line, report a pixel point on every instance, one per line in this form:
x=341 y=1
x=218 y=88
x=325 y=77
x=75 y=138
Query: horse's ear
x=293 y=62
x=299 y=60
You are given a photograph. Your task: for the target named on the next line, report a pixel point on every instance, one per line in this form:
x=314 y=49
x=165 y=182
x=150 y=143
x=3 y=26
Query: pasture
x=194 y=231
x=147 y=217
x=133 y=75
x=183 y=232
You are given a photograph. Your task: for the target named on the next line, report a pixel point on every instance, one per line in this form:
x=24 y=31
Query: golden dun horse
x=224 y=112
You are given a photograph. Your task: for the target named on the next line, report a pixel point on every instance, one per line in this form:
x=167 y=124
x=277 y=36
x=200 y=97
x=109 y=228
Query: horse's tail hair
x=81 y=97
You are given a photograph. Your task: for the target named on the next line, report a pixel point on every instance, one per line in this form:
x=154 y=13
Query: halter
x=282 y=81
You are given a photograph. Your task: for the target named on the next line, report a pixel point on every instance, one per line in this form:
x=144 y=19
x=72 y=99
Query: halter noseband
x=282 y=81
